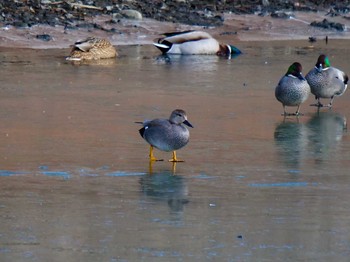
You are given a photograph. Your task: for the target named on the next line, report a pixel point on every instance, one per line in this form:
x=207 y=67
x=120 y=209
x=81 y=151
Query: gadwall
x=167 y=134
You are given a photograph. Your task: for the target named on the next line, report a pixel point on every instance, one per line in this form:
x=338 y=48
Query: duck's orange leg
x=151 y=155
x=174 y=159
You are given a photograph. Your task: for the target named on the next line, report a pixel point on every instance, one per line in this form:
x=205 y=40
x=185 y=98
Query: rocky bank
x=55 y=23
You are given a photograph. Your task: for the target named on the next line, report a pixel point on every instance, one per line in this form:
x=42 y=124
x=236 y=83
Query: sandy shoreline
x=133 y=32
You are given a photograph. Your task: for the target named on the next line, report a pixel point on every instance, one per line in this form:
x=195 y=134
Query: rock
x=329 y=25
x=131 y=14
x=265 y=3
x=228 y=33
x=283 y=15
x=312 y=39
x=44 y=37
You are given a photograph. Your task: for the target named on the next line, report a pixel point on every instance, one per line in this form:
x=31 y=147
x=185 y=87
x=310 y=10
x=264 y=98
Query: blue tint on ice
x=123 y=174
x=203 y=175
x=283 y=184
x=11 y=173
x=62 y=174
x=294 y=171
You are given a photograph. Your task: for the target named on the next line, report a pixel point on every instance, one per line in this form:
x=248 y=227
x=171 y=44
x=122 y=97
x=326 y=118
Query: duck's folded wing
x=186 y=36
x=90 y=42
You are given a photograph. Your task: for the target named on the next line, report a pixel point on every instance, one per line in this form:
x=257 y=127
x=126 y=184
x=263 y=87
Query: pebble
x=131 y=14
x=44 y=37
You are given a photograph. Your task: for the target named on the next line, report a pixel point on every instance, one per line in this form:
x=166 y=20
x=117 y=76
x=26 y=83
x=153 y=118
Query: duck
x=193 y=42
x=326 y=81
x=92 y=48
x=167 y=134
x=292 y=89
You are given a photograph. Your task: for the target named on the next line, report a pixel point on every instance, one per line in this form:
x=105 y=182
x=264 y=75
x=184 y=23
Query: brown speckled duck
x=92 y=49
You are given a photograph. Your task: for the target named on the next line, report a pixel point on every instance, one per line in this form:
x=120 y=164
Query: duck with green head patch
x=292 y=89
x=194 y=43
x=326 y=81
x=167 y=134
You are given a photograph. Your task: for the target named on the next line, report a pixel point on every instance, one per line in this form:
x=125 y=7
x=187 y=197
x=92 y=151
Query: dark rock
x=19 y=24
x=283 y=15
x=228 y=33
x=44 y=37
x=329 y=25
x=312 y=39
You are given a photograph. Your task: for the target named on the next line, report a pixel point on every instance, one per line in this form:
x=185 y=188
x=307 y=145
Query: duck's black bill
x=188 y=123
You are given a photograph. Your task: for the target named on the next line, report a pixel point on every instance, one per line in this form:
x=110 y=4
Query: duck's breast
x=292 y=91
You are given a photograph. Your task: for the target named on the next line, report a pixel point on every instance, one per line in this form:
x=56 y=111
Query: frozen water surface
x=76 y=184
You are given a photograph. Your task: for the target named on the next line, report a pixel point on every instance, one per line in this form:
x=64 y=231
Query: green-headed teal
x=326 y=81
x=92 y=49
x=167 y=134
x=194 y=43
x=292 y=89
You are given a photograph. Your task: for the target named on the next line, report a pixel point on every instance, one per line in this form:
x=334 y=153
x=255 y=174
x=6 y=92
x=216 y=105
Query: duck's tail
x=165 y=46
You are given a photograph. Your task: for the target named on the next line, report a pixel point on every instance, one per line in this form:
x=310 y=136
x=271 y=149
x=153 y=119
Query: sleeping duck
x=92 y=49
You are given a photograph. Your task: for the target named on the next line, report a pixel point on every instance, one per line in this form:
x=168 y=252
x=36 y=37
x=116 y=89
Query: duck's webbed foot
x=152 y=157
x=175 y=159
x=292 y=114
x=318 y=104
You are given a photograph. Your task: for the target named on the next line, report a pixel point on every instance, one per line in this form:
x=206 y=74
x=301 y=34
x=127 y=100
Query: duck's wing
x=91 y=42
x=185 y=36
x=336 y=80
x=155 y=125
x=177 y=33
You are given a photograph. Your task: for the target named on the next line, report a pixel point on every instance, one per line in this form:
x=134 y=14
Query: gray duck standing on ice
x=167 y=134
x=292 y=89
x=326 y=81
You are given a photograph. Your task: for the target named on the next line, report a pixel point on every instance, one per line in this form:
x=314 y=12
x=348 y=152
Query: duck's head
x=295 y=70
x=322 y=63
x=228 y=50
x=178 y=116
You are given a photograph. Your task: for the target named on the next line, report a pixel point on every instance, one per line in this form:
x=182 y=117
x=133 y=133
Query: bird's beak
x=301 y=77
x=188 y=123
x=319 y=68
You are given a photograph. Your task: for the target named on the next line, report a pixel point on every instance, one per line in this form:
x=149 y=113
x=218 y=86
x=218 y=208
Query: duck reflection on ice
x=291 y=139
x=194 y=62
x=326 y=132
x=318 y=139
x=166 y=187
